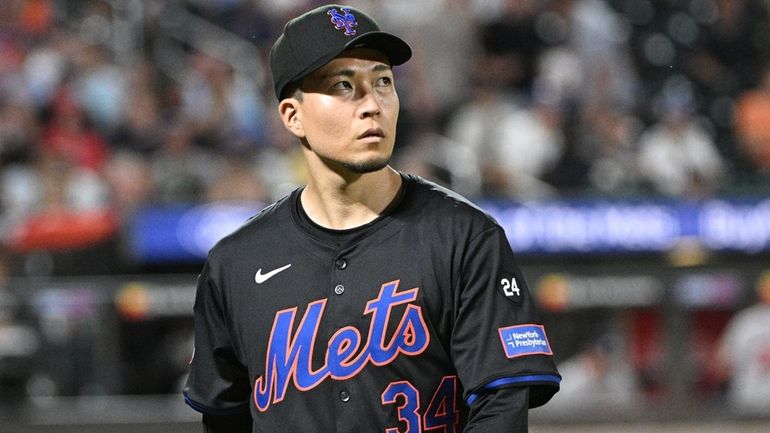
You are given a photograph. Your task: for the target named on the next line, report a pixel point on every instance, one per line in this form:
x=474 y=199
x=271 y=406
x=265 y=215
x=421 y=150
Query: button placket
x=340 y=263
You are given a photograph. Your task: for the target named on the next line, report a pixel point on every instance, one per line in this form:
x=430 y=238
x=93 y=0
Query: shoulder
x=442 y=206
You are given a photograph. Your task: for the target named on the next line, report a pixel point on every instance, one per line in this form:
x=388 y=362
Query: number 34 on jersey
x=442 y=412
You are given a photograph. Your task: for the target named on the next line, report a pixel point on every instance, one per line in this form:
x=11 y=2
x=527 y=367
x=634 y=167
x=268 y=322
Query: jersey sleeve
x=218 y=382
x=500 y=410
x=498 y=340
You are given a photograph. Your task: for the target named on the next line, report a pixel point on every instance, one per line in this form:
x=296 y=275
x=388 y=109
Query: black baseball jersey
x=395 y=326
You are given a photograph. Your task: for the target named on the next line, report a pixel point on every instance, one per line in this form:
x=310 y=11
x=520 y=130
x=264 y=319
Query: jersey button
x=339 y=289
x=341 y=264
x=344 y=396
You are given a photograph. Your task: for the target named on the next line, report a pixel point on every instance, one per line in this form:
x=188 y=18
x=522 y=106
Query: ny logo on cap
x=347 y=21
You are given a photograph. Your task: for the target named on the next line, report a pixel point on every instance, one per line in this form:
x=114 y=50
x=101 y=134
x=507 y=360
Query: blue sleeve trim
x=515 y=380
x=238 y=410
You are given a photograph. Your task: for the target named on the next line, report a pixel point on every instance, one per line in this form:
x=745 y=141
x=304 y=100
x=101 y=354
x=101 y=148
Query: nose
x=370 y=104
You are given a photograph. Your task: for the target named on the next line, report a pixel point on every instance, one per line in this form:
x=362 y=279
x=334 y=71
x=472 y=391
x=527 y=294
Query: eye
x=384 y=81
x=342 y=85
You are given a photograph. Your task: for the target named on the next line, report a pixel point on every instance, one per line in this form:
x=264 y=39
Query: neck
x=339 y=202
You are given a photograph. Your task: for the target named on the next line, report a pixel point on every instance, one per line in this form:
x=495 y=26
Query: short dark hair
x=292 y=90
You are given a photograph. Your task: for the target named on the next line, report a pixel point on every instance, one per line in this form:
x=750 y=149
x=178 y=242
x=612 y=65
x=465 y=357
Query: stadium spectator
x=608 y=144
x=181 y=168
x=47 y=63
x=222 y=107
x=598 y=37
x=100 y=86
x=752 y=124
x=19 y=131
x=512 y=45
x=600 y=375
x=743 y=355
x=131 y=182
x=236 y=180
x=676 y=155
x=730 y=52
x=70 y=210
x=142 y=126
x=69 y=134
x=499 y=127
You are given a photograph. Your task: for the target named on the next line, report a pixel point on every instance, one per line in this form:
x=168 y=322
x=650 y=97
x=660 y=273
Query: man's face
x=348 y=111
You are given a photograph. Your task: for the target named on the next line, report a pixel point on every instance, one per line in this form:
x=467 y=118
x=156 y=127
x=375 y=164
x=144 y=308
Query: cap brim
x=397 y=51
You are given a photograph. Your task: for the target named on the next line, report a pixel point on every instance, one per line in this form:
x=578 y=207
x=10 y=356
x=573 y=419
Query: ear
x=289 y=109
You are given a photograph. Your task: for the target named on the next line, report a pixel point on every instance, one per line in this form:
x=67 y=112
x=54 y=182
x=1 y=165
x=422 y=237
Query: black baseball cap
x=314 y=38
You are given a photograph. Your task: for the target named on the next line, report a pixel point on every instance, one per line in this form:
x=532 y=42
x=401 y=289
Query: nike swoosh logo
x=261 y=278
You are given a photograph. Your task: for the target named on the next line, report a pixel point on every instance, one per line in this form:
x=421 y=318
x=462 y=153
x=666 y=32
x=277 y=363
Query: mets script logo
x=347 y=21
x=290 y=357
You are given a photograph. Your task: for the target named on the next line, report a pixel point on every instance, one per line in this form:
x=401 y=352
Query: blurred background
x=623 y=144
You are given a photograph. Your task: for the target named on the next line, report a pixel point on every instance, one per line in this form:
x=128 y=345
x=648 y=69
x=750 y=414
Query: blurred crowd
x=510 y=99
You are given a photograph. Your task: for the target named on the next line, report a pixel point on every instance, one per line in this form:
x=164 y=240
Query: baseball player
x=369 y=300
x=743 y=355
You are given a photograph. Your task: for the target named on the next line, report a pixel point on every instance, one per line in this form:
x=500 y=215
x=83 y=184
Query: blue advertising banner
x=184 y=234
x=634 y=226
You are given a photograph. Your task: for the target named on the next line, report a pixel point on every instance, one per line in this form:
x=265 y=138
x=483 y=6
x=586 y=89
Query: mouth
x=372 y=133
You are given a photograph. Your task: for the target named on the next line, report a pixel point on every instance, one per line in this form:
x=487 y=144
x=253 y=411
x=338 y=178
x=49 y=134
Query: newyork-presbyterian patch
x=522 y=340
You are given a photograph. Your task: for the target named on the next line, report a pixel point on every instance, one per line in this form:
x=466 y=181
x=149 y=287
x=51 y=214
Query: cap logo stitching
x=346 y=21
